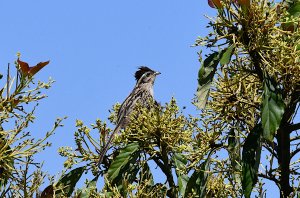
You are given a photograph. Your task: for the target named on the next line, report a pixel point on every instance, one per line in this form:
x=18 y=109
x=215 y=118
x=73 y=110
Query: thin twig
x=269 y=178
x=294 y=127
x=293 y=153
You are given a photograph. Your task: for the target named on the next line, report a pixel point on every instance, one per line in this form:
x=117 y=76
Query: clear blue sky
x=95 y=47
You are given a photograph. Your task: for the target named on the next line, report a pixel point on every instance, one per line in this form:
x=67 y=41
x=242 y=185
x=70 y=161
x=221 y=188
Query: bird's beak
x=157 y=73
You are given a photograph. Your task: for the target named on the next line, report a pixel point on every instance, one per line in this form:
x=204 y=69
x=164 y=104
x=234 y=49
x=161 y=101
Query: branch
x=294 y=127
x=272 y=151
x=291 y=106
x=294 y=172
x=163 y=155
x=272 y=178
x=164 y=164
x=295 y=138
x=293 y=153
x=165 y=170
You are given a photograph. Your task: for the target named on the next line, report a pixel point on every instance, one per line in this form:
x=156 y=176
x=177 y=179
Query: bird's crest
x=139 y=73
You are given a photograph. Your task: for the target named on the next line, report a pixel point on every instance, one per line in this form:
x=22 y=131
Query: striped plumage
x=141 y=94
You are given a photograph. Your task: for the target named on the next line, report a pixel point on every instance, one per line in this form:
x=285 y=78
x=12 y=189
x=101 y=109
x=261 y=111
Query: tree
x=256 y=90
x=20 y=174
x=162 y=135
x=249 y=87
x=248 y=95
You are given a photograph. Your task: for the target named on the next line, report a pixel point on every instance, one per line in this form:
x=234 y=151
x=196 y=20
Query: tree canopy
x=245 y=133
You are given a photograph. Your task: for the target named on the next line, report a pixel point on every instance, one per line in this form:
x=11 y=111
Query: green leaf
x=208 y=68
x=48 y=192
x=131 y=170
x=193 y=184
x=251 y=159
x=272 y=109
x=146 y=175
x=182 y=182
x=202 y=95
x=234 y=152
x=291 y=23
x=225 y=59
x=199 y=179
x=204 y=174
x=298 y=47
x=7 y=161
x=128 y=176
x=88 y=190
x=205 y=78
x=68 y=182
x=180 y=162
x=294 y=9
x=146 y=178
x=123 y=170
x=232 y=139
x=126 y=156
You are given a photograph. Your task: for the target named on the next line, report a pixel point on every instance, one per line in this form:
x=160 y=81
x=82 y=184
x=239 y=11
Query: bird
x=141 y=94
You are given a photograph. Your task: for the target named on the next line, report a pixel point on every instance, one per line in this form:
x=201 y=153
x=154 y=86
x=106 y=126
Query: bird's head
x=145 y=75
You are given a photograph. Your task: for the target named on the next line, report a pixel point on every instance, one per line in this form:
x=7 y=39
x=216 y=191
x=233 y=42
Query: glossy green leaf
x=123 y=170
x=180 y=162
x=232 y=139
x=68 y=182
x=251 y=159
x=48 y=192
x=294 y=9
x=193 y=184
x=7 y=162
x=205 y=78
x=204 y=174
x=146 y=175
x=89 y=189
x=208 y=68
x=297 y=46
x=198 y=180
x=293 y=12
x=272 y=109
x=182 y=182
x=202 y=95
x=226 y=56
x=234 y=151
x=126 y=156
x=146 y=178
x=132 y=170
x=128 y=176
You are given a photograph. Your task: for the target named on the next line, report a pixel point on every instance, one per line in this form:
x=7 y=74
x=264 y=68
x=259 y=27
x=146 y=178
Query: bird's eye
x=148 y=74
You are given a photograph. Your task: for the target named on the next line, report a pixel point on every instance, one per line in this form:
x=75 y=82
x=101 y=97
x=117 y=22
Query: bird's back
x=139 y=95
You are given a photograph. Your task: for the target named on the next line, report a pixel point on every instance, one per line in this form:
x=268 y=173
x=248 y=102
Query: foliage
x=248 y=94
x=162 y=135
x=20 y=175
x=254 y=92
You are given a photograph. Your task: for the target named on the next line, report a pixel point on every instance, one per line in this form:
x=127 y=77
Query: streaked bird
x=141 y=94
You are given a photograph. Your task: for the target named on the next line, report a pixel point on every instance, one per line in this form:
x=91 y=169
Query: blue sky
x=95 y=47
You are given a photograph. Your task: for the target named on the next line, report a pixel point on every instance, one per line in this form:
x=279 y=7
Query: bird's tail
x=105 y=148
